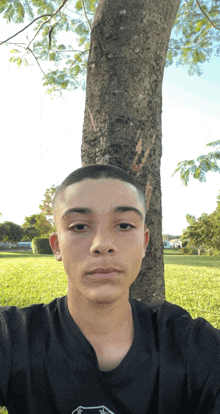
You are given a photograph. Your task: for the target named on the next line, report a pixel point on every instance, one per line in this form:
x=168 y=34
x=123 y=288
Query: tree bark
x=122 y=122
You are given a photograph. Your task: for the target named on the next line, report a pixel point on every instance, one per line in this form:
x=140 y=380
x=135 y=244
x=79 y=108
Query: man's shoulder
x=164 y=309
x=174 y=320
x=15 y=314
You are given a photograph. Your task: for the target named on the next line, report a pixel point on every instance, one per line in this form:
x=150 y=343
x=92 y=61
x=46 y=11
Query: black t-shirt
x=48 y=366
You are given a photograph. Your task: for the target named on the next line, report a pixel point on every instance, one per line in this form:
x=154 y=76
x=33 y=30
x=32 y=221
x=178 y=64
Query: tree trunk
x=122 y=123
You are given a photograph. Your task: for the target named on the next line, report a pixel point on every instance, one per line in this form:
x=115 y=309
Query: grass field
x=192 y=282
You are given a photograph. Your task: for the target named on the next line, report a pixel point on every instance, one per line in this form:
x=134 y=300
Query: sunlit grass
x=193 y=282
x=28 y=279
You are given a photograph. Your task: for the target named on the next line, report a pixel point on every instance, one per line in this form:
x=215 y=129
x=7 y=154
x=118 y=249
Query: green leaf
x=3 y=5
x=13 y=59
x=213 y=144
x=52 y=56
x=25 y=62
x=14 y=51
x=19 y=9
x=82 y=40
x=61 y=47
x=78 y=5
x=19 y=61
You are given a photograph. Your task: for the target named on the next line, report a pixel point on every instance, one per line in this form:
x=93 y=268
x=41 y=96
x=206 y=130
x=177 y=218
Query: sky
x=40 y=139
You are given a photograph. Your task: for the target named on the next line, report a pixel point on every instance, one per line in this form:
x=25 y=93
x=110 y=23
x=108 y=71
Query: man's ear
x=54 y=244
x=146 y=240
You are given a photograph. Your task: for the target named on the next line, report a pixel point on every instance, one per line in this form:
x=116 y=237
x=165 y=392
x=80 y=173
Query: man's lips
x=104 y=270
x=108 y=275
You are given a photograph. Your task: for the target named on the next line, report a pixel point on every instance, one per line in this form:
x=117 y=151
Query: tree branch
x=62 y=51
x=40 y=67
x=187 y=6
x=46 y=21
x=87 y=50
x=37 y=18
x=86 y=14
x=199 y=5
x=208 y=155
x=202 y=34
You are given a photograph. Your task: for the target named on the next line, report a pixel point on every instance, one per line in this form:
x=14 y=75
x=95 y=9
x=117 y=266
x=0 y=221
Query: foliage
x=190 y=250
x=198 y=168
x=46 y=206
x=203 y=232
x=41 y=224
x=10 y=232
x=47 y=21
x=195 y=35
x=194 y=39
x=170 y=237
x=36 y=225
x=41 y=246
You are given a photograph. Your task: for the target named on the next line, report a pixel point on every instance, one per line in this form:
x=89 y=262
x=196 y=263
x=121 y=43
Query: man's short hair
x=97 y=171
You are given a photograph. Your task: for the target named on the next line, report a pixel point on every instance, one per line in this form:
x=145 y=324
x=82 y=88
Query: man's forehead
x=92 y=191
x=90 y=186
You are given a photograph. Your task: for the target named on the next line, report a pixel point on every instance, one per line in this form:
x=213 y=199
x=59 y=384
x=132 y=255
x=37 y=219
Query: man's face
x=101 y=238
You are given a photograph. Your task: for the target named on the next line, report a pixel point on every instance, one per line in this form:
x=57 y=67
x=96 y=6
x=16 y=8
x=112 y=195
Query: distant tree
x=171 y=237
x=46 y=206
x=204 y=231
x=10 y=232
x=194 y=234
x=215 y=218
x=36 y=225
x=2 y=231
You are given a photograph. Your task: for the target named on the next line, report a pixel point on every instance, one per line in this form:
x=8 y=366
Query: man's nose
x=103 y=241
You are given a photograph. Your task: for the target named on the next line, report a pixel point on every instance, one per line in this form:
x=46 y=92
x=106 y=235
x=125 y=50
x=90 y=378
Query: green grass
x=26 y=279
x=192 y=282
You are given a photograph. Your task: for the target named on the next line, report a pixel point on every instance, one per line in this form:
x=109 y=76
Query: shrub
x=189 y=250
x=216 y=253
x=41 y=246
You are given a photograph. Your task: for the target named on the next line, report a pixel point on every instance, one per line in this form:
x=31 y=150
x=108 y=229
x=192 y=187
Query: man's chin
x=105 y=298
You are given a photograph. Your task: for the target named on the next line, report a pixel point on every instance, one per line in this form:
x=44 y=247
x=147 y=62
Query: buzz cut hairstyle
x=98 y=171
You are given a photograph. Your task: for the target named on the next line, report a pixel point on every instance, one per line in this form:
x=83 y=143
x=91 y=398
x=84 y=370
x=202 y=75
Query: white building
x=166 y=244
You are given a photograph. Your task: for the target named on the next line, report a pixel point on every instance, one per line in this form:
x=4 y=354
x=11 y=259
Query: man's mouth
x=106 y=275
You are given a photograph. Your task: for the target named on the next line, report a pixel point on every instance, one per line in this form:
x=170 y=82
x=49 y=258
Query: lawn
x=192 y=282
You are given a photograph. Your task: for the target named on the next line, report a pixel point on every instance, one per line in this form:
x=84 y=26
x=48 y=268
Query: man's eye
x=126 y=224
x=79 y=227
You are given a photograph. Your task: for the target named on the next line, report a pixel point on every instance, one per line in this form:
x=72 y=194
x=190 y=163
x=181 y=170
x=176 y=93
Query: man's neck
x=101 y=320
x=108 y=327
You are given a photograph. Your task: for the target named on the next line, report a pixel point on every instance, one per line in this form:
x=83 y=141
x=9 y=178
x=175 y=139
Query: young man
x=95 y=350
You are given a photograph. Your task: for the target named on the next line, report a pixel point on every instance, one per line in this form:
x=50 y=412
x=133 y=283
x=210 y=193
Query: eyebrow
x=87 y=210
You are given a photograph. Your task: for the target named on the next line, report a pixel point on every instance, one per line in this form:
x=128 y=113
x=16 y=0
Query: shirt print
x=95 y=410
